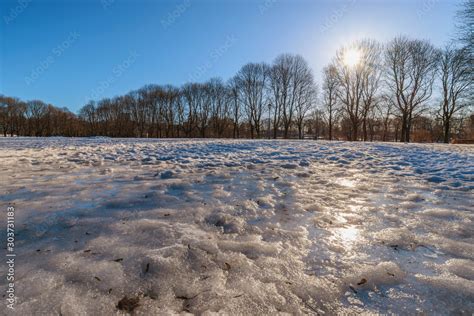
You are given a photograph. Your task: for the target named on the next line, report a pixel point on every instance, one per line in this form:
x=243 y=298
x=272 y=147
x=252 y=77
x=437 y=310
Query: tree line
x=404 y=90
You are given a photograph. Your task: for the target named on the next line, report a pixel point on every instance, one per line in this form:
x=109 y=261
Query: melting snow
x=248 y=227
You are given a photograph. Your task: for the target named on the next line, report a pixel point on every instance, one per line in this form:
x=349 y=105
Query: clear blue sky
x=65 y=52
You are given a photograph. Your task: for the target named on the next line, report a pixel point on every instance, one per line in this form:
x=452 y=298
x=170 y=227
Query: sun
x=352 y=57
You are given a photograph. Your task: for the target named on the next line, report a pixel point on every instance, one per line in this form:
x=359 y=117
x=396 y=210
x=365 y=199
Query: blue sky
x=66 y=52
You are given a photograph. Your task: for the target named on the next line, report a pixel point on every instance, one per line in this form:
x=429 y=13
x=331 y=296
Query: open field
x=250 y=227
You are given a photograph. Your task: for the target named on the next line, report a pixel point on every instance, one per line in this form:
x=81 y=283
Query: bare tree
x=465 y=24
x=317 y=123
x=305 y=97
x=123 y=126
x=411 y=69
x=4 y=114
x=36 y=112
x=357 y=72
x=204 y=101
x=329 y=97
x=152 y=99
x=88 y=114
x=291 y=93
x=385 y=109
x=191 y=95
x=138 y=104
x=170 y=101
x=16 y=113
x=104 y=116
x=279 y=85
x=11 y=113
x=235 y=106
x=456 y=81
x=372 y=72
x=252 y=80
x=180 y=113
x=220 y=103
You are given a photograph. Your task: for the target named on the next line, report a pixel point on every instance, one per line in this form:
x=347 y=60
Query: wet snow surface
x=247 y=227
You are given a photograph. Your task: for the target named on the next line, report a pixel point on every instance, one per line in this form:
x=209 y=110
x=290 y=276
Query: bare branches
x=411 y=68
x=252 y=80
x=329 y=97
x=358 y=81
x=465 y=26
x=370 y=92
x=292 y=93
x=456 y=81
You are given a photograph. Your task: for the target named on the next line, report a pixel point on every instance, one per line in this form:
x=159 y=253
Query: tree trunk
x=364 y=129
x=404 y=133
x=330 y=127
x=285 y=133
x=408 y=129
x=446 y=131
x=354 y=131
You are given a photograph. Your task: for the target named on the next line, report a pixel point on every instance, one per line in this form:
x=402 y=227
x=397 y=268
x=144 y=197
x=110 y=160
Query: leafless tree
x=465 y=24
x=372 y=72
x=385 y=108
x=12 y=112
x=357 y=82
x=329 y=96
x=411 y=69
x=191 y=98
x=151 y=104
x=180 y=113
x=36 y=112
x=280 y=88
x=233 y=90
x=204 y=108
x=291 y=93
x=456 y=81
x=252 y=82
x=317 y=123
x=303 y=96
x=171 y=99
x=220 y=104
x=89 y=115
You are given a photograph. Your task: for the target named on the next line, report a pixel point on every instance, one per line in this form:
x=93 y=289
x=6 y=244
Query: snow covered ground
x=247 y=227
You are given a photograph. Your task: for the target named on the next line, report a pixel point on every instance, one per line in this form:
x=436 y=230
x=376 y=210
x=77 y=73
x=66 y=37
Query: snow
x=247 y=227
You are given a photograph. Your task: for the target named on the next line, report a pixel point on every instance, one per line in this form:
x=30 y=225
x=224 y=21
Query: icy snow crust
x=240 y=227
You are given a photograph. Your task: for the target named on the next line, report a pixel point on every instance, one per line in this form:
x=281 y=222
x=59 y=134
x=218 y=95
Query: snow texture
x=239 y=227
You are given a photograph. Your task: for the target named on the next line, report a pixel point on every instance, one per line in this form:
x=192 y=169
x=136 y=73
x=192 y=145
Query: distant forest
x=404 y=90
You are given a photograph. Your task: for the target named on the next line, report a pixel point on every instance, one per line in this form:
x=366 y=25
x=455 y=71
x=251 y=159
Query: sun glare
x=348 y=235
x=352 y=57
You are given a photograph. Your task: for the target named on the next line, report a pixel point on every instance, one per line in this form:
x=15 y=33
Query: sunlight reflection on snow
x=346 y=183
x=348 y=235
